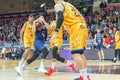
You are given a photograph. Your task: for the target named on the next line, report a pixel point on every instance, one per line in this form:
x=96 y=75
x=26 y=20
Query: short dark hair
x=31 y=15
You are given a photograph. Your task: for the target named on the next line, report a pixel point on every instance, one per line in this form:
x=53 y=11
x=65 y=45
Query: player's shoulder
x=59 y=6
x=25 y=24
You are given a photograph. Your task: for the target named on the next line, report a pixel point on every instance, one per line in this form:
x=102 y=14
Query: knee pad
x=34 y=57
x=44 y=52
x=54 y=51
x=59 y=58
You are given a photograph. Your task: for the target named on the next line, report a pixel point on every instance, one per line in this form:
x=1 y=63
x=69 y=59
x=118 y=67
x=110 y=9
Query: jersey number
x=76 y=13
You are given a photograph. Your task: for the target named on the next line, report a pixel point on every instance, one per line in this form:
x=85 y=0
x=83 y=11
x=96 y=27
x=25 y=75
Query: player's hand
x=54 y=37
x=21 y=41
x=35 y=21
x=41 y=18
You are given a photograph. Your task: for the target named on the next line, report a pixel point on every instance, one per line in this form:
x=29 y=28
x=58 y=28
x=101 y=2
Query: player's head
x=39 y=25
x=98 y=30
x=115 y=28
x=31 y=17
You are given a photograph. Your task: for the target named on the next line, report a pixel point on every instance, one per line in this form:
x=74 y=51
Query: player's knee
x=44 y=52
x=34 y=57
x=54 y=51
x=59 y=58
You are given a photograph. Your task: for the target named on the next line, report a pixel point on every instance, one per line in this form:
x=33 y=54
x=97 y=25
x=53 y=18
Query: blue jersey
x=99 y=38
x=41 y=34
x=40 y=38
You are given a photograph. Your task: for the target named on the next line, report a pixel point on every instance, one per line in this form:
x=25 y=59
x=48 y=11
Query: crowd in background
x=106 y=19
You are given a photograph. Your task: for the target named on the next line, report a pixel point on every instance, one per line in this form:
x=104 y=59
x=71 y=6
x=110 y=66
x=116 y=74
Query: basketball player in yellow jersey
x=117 y=45
x=27 y=39
x=55 y=46
x=74 y=22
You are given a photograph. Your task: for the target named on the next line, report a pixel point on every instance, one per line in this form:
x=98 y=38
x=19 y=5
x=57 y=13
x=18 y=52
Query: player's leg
x=24 y=56
x=26 y=52
x=81 y=65
x=102 y=54
x=99 y=52
x=78 y=39
x=26 y=63
x=115 y=55
x=56 y=50
x=52 y=68
x=99 y=55
x=56 y=56
x=22 y=62
x=45 y=52
x=32 y=49
x=29 y=61
x=119 y=54
x=37 y=48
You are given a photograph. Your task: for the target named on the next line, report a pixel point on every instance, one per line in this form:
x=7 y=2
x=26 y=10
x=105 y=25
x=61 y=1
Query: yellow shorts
x=58 y=42
x=117 y=46
x=29 y=43
x=78 y=36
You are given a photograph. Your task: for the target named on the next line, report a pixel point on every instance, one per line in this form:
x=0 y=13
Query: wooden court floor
x=97 y=70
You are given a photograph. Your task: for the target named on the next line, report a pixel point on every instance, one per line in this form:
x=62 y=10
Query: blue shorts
x=99 y=47
x=38 y=46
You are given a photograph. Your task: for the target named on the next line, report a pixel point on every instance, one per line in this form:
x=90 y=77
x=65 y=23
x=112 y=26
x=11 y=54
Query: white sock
x=68 y=62
x=21 y=61
x=42 y=64
x=53 y=65
x=83 y=73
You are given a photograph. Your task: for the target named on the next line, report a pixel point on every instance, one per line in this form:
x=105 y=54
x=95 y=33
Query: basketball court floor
x=105 y=70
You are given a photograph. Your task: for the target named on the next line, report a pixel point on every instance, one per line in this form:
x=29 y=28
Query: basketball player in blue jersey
x=99 y=44
x=40 y=37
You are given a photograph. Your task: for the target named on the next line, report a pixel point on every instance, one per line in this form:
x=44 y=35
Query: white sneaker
x=19 y=70
x=42 y=70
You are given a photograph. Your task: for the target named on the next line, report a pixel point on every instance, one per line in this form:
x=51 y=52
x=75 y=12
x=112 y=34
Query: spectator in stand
x=93 y=29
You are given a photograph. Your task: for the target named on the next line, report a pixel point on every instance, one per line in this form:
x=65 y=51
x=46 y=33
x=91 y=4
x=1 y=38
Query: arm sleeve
x=59 y=20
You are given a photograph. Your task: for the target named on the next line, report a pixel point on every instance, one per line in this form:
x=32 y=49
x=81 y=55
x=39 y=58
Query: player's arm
x=59 y=8
x=95 y=39
x=118 y=34
x=22 y=32
x=34 y=26
x=49 y=29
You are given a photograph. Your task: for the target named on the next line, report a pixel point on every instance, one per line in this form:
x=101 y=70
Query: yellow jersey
x=28 y=31
x=71 y=15
x=117 y=39
x=53 y=24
